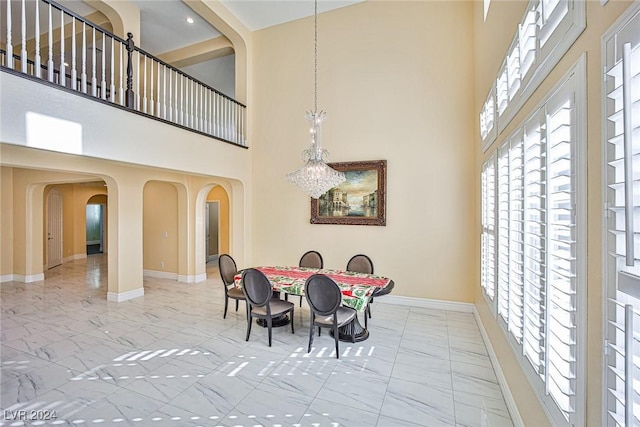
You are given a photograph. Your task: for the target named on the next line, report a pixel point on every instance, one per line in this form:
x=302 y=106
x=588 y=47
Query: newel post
x=129 y=92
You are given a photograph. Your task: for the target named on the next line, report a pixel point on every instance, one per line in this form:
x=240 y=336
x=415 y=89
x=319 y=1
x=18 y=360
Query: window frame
x=619 y=29
x=545 y=59
x=572 y=84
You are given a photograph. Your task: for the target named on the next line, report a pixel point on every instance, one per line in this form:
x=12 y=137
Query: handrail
x=149 y=86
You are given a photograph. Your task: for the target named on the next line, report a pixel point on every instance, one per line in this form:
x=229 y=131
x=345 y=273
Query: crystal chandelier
x=315 y=177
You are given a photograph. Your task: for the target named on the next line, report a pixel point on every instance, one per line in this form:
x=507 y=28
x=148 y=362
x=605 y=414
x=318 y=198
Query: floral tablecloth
x=356 y=288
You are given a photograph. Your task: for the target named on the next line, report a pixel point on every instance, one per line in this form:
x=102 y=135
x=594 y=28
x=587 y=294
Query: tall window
x=545 y=33
x=540 y=218
x=621 y=129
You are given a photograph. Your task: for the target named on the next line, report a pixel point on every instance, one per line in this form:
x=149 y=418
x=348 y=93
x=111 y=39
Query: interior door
x=54 y=228
x=213 y=213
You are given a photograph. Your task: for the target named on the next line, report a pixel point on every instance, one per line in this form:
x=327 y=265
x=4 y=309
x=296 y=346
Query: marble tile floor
x=70 y=358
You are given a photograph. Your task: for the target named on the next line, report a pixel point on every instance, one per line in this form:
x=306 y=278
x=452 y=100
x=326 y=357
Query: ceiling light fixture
x=315 y=177
x=190 y=20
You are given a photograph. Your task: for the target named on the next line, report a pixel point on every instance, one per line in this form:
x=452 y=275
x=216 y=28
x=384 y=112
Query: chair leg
x=353 y=330
x=335 y=337
x=300 y=300
x=366 y=322
x=237 y=305
x=310 y=333
x=286 y=296
x=249 y=322
x=269 y=328
x=369 y=307
x=226 y=304
x=292 y=331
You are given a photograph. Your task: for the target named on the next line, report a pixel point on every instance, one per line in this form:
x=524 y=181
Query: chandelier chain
x=315 y=57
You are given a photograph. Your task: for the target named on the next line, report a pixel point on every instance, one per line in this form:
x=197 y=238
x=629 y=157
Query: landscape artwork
x=360 y=200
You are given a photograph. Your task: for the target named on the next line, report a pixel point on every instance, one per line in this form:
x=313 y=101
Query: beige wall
x=491 y=41
x=217 y=194
x=160 y=227
x=394 y=78
x=6 y=221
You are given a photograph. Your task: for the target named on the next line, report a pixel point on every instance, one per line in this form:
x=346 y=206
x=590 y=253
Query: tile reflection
x=169 y=359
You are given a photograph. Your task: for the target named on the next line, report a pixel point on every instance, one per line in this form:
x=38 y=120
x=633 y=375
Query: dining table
x=357 y=289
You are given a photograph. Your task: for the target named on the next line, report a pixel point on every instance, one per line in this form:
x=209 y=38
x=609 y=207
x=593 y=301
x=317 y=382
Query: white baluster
x=9 y=47
x=23 y=52
x=187 y=99
x=138 y=82
x=144 y=94
x=74 y=73
x=83 y=74
x=158 y=93
x=50 y=61
x=199 y=106
x=121 y=79
x=63 y=69
x=37 y=60
x=205 y=109
x=164 y=91
x=103 y=81
x=112 y=86
x=175 y=99
x=152 y=103
x=181 y=99
x=214 y=114
x=170 y=94
x=94 y=79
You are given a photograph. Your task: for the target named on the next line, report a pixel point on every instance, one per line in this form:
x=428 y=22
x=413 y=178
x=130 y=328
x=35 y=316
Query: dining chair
x=228 y=270
x=362 y=264
x=310 y=259
x=260 y=303
x=324 y=299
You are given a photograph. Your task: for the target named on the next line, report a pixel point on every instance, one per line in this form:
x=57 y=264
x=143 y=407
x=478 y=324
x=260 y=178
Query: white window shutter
x=621 y=109
x=561 y=254
x=535 y=246
x=488 y=279
x=503 y=232
x=516 y=239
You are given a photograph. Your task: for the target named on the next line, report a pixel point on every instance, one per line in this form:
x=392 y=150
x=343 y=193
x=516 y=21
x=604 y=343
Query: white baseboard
x=22 y=278
x=125 y=296
x=6 y=278
x=426 y=303
x=74 y=257
x=192 y=278
x=160 y=274
x=502 y=380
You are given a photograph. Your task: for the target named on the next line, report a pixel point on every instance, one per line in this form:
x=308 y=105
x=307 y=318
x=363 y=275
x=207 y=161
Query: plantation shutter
x=535 y=247
x=516 y=239
x=503 y=232
x=552 y=12
x=488 y=279
x=622 y=199
x=561 y=252
x=527 y=41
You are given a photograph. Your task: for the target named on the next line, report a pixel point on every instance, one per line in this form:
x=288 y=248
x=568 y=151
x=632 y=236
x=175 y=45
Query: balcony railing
x=61 y=47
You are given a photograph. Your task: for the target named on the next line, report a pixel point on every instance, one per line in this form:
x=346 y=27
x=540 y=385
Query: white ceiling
x=259 y=14
x=164 y=27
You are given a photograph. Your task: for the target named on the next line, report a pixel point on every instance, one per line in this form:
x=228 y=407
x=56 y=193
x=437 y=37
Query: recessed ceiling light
x=190 y=20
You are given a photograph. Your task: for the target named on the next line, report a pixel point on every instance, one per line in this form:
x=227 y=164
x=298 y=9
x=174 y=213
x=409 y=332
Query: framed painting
x=360 y=200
